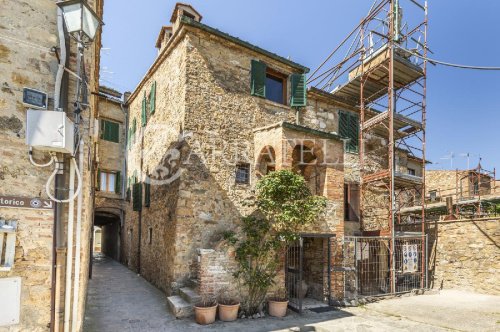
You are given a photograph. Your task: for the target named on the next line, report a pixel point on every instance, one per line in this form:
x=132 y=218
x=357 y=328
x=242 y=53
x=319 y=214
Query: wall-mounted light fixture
x=81 y=21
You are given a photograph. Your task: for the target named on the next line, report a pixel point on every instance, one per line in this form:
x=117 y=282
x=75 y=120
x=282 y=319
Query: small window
x=150 y=237
x=412 y=171
x=433 y=195
x=110 y=131
x=107 y=181
x=275 y=87
x=243 y=173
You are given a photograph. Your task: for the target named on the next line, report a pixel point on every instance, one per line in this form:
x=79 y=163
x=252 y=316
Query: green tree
x=284 y=206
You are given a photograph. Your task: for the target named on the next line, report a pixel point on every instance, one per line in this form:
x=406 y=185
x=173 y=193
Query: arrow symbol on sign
x=47 y=204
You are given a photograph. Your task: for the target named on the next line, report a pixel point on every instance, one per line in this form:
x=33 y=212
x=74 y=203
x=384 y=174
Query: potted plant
x=284 y=205
x=205 y=310
x=228 y=306
x=278 y=303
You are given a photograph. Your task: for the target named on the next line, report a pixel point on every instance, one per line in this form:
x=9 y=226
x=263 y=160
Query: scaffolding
x=380 y=68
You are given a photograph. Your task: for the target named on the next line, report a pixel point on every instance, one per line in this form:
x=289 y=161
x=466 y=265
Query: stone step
x=179 y=307
x=189 y=295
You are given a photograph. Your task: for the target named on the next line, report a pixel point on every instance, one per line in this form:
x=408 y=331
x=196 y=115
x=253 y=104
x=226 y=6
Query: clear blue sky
x=463 y=105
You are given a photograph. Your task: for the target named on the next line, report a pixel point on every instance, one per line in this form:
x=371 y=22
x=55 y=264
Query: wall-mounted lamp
x=81 y=21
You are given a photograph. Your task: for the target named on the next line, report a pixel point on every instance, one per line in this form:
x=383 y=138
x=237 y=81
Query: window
x=349 y=129
x=110 y=131
x=412 y=171
x=275 y=87
x=109 y=181
x=272 y=85
x=150 y=237
x=137 y=197
x=351 y=202
x=243 y=173
x=433 y=195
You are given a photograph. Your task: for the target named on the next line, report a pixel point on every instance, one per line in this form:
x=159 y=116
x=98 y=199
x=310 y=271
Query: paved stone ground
x=120 y=300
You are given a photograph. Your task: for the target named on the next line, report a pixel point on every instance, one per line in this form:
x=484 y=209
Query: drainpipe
x=76 y=287
x=57 y=242
x=69 y=256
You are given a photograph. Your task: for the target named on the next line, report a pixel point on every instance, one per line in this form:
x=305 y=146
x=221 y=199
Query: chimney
x=163 y=38
x=183 y=9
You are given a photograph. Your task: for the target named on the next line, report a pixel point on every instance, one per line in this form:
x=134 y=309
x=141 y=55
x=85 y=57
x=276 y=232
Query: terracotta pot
x=228 y=312
x=205 y=315
x=278 y=308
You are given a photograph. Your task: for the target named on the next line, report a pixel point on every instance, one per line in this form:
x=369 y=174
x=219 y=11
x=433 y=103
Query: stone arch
x=308 y=160
x=266 y=162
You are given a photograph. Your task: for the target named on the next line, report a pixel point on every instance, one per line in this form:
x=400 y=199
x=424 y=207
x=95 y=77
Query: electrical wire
x=39 y=165
x=56 y=169
x=448 y=63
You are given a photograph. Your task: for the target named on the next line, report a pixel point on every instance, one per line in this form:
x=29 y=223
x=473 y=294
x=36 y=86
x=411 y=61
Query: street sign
x=26 y=203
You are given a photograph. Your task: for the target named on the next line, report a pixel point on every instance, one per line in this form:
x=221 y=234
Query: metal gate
x=371 y=269
x=294 y=270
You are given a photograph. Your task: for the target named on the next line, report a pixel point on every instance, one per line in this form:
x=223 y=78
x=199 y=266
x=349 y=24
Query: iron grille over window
x=243 y=173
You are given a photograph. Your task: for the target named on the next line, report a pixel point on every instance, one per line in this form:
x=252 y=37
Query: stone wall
x=465 y=255
x=159 y=140
x=29 y=30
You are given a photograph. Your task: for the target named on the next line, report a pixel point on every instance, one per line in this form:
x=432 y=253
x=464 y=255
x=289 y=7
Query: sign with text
x=26 y=203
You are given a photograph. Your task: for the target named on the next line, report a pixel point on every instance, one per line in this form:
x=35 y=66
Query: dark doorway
x=308 y=272
x=110 y=233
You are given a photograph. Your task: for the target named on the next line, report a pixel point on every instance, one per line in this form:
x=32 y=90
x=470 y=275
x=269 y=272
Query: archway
x=307 y=160
x=266 y=162
x=110 y=229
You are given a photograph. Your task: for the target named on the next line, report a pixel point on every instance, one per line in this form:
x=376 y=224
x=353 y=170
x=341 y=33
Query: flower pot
x=205 y=315
x=277 y=308
x=228 y=312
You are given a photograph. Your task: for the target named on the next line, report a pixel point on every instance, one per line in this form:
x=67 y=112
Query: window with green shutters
x=152 y=99
x=144 y=114
x=147 y=194
x=258 y=79
x=349 y=128
x=137 y=196
x=110 y=131
x=299 y=93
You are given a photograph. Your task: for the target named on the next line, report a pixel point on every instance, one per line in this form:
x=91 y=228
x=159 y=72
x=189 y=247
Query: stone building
x=212 y=115
x=36 y=53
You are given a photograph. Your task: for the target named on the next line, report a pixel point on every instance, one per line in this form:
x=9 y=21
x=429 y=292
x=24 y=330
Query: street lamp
x=81 y=21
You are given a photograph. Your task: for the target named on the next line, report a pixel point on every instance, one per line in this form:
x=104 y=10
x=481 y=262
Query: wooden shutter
x=258 y=79
x=98 y=180
x=137 y=196
x=354 y=132
x=299 y=93
x=152 y=99
x=144 y=116
x=118 y=182
x=147 y=194
x=349 y=128
x=101 y=129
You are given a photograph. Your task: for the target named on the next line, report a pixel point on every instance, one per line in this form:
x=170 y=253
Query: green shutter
x=98 y=180
x=144 y=116
x=110 y=131
x=137 y=196
x=349 y=128
x=299 y=93
x=258 y=79
x=354 y=132
x=118 y=182
x=134 y=126
x=152 y=98
x=147 y=194
x=101 y=129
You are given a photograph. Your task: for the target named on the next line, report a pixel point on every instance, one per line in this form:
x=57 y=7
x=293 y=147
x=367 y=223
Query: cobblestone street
x=120 y=300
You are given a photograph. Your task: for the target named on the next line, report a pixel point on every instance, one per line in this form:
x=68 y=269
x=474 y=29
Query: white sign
x=410 y=258
x=10 y=301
